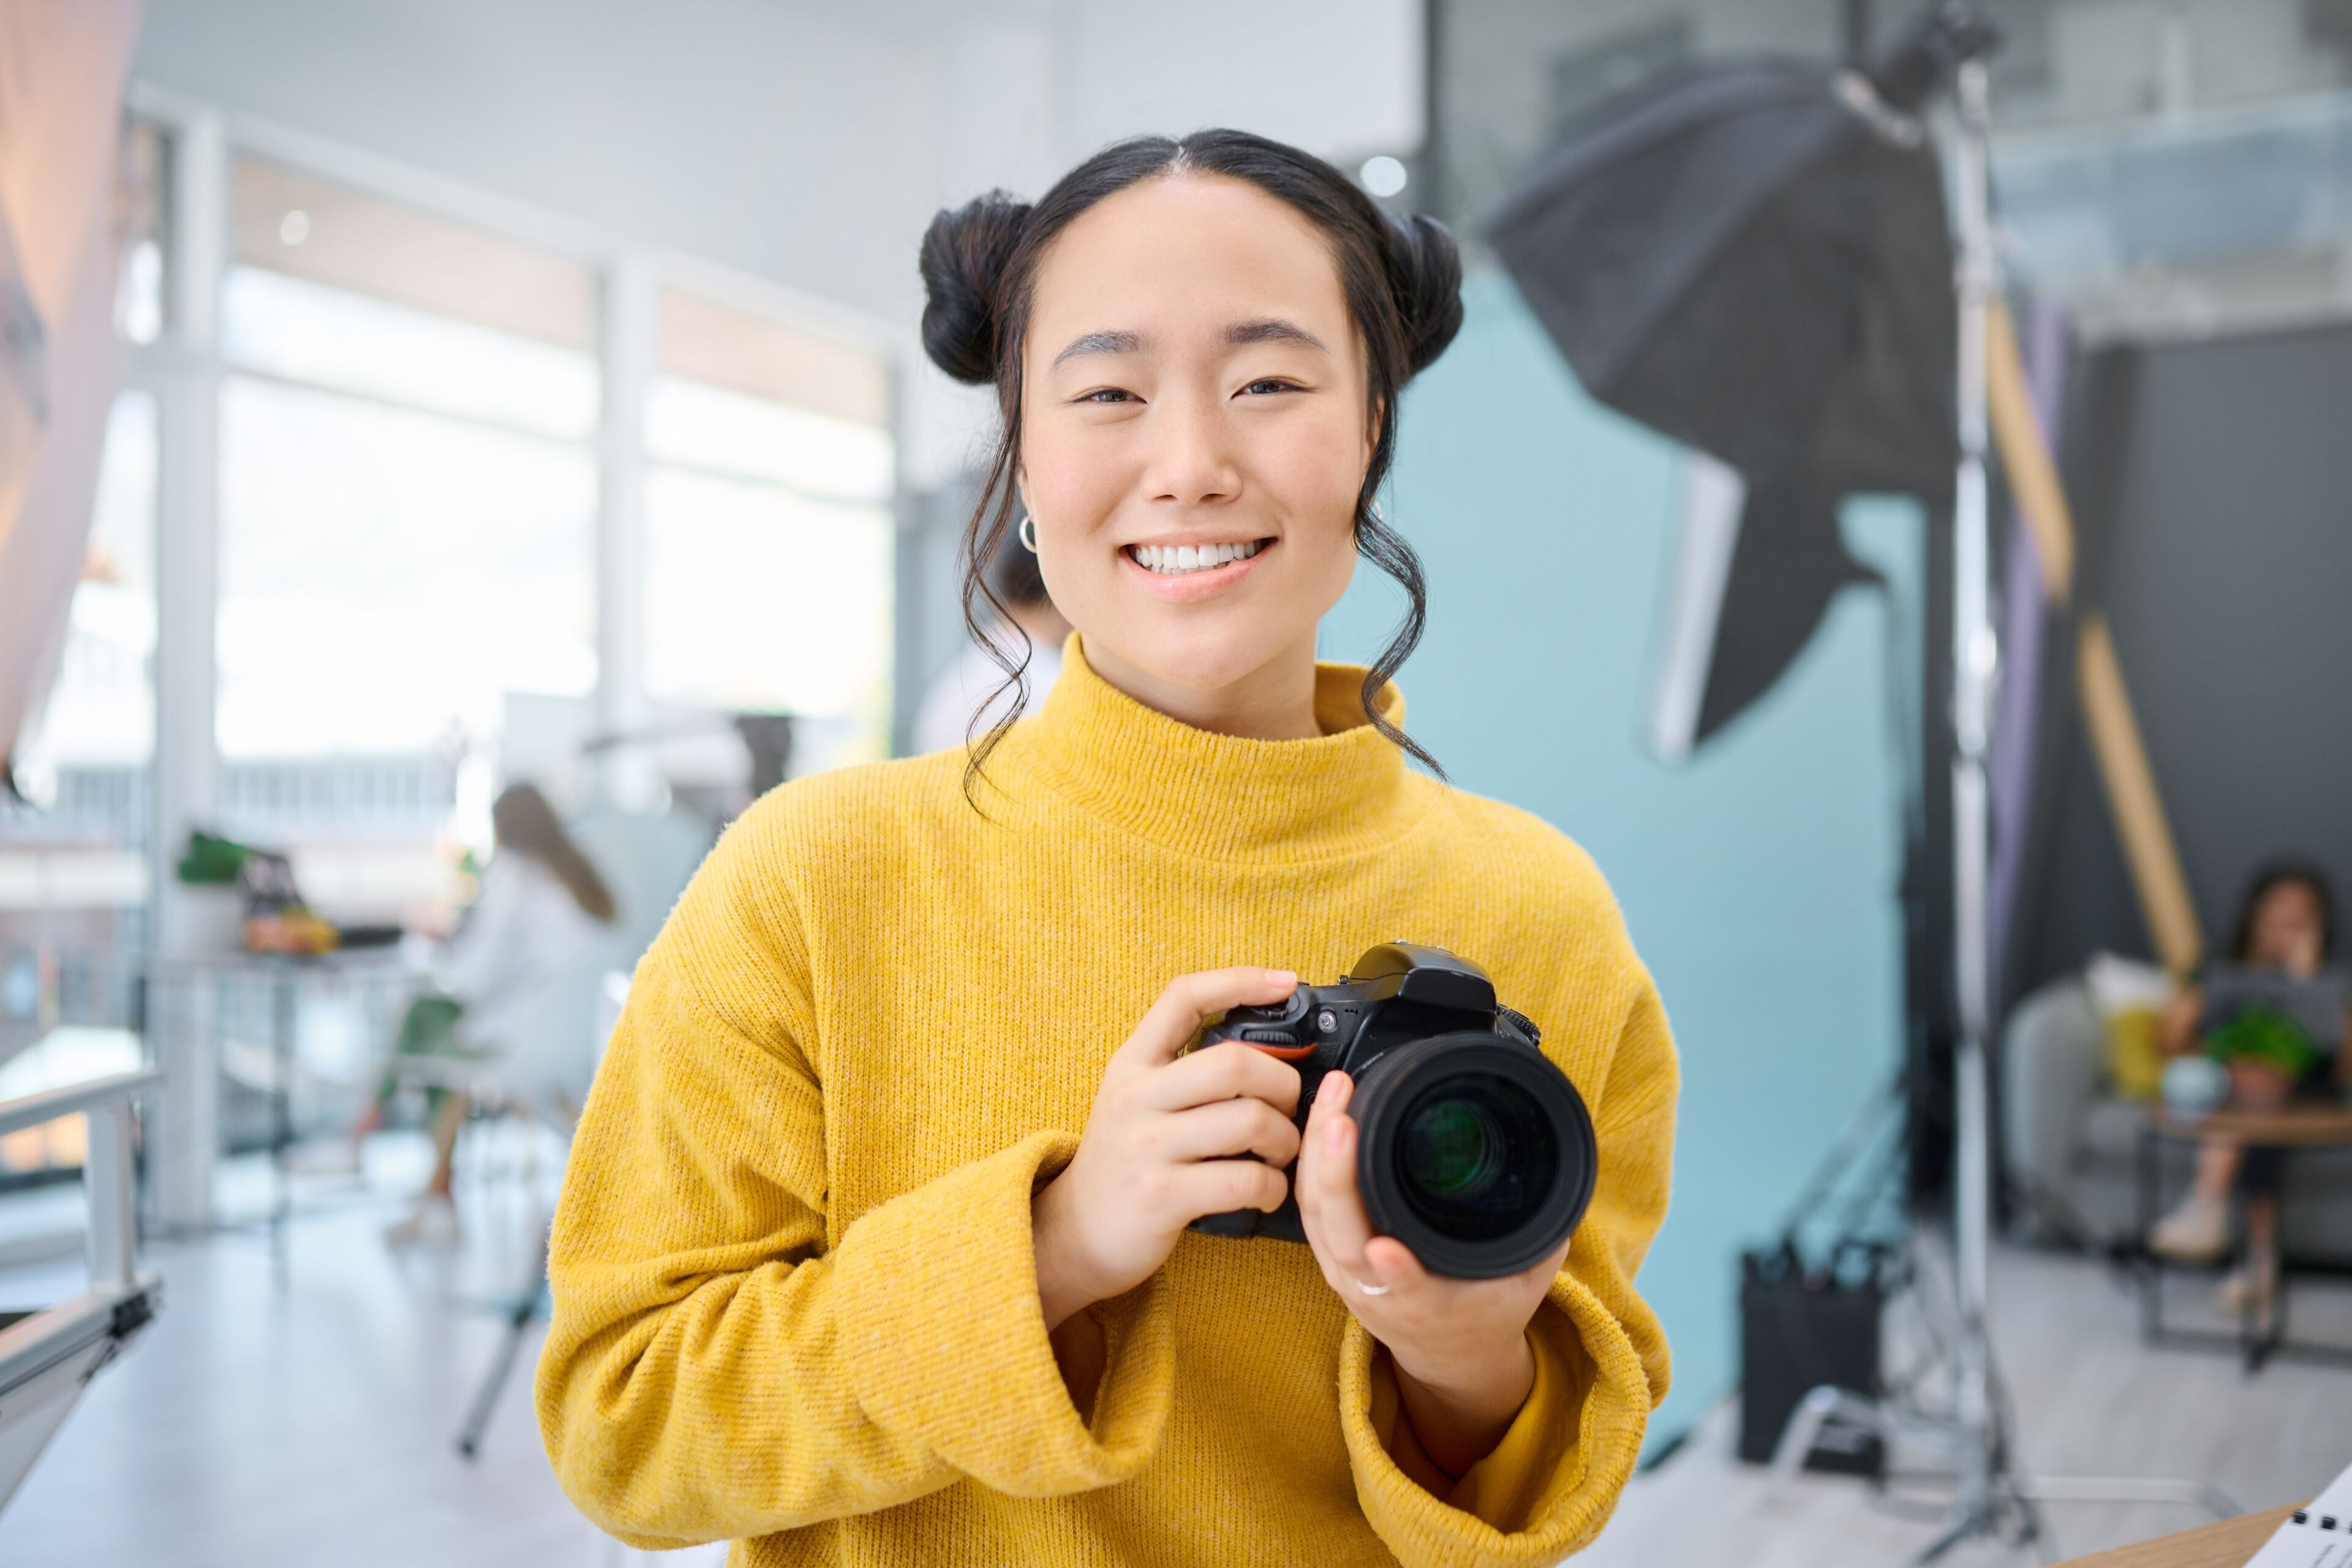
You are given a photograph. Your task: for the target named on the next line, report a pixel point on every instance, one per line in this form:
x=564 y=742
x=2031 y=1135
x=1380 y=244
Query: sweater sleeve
x=714 y=1369
x=1600 y=1361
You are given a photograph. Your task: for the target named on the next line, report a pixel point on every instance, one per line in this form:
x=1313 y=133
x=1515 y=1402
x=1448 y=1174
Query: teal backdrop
x=1760 y=879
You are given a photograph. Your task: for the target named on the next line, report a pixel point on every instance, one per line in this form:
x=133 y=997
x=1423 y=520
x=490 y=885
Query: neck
x=1276 y=702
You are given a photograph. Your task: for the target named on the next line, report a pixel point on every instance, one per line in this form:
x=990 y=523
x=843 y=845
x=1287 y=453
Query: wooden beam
x=2138 y=811
x=2025 y=460
x=2224 y=1545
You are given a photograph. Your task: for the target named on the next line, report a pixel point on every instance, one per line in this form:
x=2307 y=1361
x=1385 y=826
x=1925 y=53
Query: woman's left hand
x=1460 y=1346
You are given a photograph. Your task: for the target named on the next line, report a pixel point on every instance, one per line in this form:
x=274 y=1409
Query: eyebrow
x=1272 y=330
x=1267 y=330
x=1116 y=343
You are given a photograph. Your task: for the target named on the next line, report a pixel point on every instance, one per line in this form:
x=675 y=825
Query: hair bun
x=963 y=261
x=1426 y=277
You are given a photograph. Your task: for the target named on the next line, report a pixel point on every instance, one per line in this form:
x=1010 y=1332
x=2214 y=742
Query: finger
x=1220 y=1186
x=1228 y=1127
x=1338 y=1206
x=1228 y=1071
x=1393 y=1265
x=1331 y=1092
x=1169 y=1024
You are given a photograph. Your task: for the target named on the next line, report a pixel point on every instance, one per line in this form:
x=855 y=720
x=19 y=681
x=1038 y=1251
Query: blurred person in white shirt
x=955 y=701
x=515 y=1013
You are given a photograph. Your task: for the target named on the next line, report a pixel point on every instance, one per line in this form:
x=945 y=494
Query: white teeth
x=1175 y=560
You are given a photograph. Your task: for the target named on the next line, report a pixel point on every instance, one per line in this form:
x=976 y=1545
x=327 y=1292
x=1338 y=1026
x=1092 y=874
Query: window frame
x=183 y=369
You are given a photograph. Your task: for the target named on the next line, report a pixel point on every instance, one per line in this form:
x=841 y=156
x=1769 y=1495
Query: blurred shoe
x=2196 y=1232
x=432 y=1226
x=2254 y=1288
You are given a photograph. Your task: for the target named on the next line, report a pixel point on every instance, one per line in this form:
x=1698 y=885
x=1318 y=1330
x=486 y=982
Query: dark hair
x=1013 y=578
x=1401 y=280
x=527 y=824
x=2279 y=874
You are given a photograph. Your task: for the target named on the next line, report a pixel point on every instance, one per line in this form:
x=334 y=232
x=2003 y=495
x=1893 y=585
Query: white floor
x=2089 y=1400
x=310 y=1417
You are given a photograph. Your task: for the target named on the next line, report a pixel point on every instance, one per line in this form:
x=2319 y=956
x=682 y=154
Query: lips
x=1195 y=574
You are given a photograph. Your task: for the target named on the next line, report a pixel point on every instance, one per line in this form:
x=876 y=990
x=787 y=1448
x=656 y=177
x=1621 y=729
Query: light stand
x=1993 y=1502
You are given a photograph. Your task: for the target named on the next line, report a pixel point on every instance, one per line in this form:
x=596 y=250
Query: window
x=407 y=515
x=769 y=531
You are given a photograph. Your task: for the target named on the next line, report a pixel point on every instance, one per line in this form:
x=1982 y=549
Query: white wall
x=759 y=135
x=1336 y=78
x=805 y=142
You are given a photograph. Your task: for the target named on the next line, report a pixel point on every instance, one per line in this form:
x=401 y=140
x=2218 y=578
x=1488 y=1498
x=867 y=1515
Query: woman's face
x=1193 y=430
x=2289 y=928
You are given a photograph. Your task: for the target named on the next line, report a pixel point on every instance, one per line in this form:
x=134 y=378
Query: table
x=187 y=1046
x=2260 y=1335
x=2224 y=1545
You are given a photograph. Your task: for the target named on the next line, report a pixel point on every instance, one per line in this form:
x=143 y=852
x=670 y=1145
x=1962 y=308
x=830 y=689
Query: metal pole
x=1972 y=671
x=630 y=325
x=1993 y=1502
x=185 y=371
x=108 y=1180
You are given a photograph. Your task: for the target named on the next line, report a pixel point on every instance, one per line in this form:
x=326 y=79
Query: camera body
x=1474 y=1150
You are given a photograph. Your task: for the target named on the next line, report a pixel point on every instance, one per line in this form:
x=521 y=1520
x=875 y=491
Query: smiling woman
x=1182 y=362
x=875 y=1240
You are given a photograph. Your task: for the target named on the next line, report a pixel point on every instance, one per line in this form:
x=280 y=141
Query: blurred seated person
x=2278 y=1016
x=974 y=680
x=507 y=1014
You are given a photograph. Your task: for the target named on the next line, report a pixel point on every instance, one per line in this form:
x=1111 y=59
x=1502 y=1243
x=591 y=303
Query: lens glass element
x=1453 y=1148
x=1476 y=1156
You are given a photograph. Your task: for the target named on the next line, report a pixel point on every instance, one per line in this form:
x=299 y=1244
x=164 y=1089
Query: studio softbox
x=1753 y=258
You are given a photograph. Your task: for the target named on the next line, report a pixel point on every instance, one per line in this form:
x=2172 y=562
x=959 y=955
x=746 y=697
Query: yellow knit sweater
x=795 y=1295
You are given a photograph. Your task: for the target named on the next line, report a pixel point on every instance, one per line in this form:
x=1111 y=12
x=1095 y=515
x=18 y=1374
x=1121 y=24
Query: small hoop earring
x=1028 y=532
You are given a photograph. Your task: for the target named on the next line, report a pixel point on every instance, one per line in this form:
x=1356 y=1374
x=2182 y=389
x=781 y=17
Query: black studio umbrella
x=1753 y=258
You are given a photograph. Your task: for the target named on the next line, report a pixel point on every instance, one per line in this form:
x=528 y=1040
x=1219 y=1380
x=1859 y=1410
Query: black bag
x=1798 y=1329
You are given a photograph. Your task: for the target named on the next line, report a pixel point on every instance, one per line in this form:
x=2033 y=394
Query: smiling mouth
x=1183 y=559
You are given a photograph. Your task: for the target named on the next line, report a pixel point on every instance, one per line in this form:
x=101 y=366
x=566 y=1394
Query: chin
x=1205 y=656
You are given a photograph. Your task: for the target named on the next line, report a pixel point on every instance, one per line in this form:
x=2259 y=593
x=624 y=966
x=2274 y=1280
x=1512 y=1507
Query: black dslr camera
x=1473 y=1150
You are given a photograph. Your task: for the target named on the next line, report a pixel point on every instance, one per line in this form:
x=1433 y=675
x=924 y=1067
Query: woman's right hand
x=1151 y=1160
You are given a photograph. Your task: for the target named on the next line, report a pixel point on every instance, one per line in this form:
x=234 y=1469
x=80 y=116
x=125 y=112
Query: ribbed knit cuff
x=944 y=1338
x=1588 y=1472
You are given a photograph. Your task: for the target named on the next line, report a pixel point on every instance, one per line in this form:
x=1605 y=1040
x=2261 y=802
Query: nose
x=1191 y=461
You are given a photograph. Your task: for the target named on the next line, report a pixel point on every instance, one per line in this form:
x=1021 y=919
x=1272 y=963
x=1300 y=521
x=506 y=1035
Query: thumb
x=1173 y=1021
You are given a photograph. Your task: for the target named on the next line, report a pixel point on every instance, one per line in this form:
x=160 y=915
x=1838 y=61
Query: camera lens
x=1476 y=1151
x=1477 y=1156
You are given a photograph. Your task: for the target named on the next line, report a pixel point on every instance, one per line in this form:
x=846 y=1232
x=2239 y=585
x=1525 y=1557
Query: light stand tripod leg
x=1964 y=1525
x=2128 y=1488
x=494 y=1382
x=1816 y=1410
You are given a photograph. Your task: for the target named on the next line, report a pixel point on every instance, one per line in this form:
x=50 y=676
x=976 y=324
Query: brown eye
x=1260 y=388
x=1108 y=395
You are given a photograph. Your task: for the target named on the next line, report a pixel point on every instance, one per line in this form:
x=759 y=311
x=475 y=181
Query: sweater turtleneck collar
x=1221 y=797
